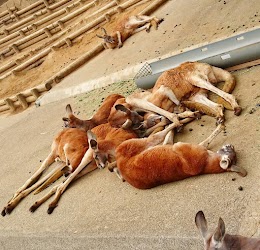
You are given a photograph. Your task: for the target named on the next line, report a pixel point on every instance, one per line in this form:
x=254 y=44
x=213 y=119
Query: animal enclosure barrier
x=20 y=14
x=45 y=32
x=25 y=98
x=20 y=30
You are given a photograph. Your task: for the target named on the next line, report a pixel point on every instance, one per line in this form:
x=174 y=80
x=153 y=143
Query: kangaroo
x=145 y=164
x=188 y=85
x=126 y=28
x=222 y=241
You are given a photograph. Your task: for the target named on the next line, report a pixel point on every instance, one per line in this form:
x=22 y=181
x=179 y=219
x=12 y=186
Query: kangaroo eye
x=96 y=157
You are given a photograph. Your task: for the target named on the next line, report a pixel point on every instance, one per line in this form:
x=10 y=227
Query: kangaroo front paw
x=220 y=120
x=160 y=20
x=148 y=30
x=197 y=115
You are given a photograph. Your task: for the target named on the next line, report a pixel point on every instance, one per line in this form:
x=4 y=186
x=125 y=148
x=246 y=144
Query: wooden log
x=6 y=51
x=96 y=2
x=40 y=22
x=36 y=64
x=44 y=87
x=61 y=24
x=47 y=32
x=33 y=27
x=35 y=93
x=108 y=6
x=15 y=72
x=16 y=16
x=7 y=21
x=10 y=104
x=107 y=17
x=9 y=11
x=46 y=3
x=23 y=66
x=15 y=48
x=244 y=65
x=152 y=7
x=33 y=11
x=30 y=7
x=21 y=33
x=18 y=61
x=130 y=3
x=77 y=12
x=67 y=9
x=77 y=63
x=6 y=12
x=87 y=27
x=119 y=9
x=2 y=102
x=6 y=32
x=33 y=59
x=68 y=42
x=50 y=17
x=10 y=52
x=58 y=4
x=31 y=99
x=4 y=108
x=7 y=66
x=22 y=101
x=13 y=99
x=19 y=24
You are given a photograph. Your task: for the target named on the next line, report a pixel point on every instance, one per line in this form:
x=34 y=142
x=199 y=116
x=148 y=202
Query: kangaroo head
x=213 y=240
x=107 y=38
x=73 y=122
x=99 y=156
x=229 y=159
x=133 y=119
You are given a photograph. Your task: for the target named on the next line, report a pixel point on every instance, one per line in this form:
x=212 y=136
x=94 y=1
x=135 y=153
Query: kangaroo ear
x=102 y=37
x=104 y=30
x=68 y=109
x=93 y=144
x=201 y=224
x=220 y=232
x=92 y=140
x=122 y=108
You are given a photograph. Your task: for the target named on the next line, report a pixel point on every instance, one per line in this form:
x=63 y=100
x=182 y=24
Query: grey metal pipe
x=226 y=53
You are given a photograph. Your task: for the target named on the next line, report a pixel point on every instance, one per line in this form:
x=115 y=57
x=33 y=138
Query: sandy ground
x=99 y=211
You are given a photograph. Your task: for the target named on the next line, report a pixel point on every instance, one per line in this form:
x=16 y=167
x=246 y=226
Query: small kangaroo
x=222 y=241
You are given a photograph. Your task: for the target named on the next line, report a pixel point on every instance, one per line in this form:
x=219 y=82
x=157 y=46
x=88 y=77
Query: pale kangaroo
x=126 y=28
x=188 y=85
x=222 y=241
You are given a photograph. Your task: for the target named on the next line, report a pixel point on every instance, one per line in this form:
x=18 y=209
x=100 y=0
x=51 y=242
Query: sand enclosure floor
x=99 y=211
